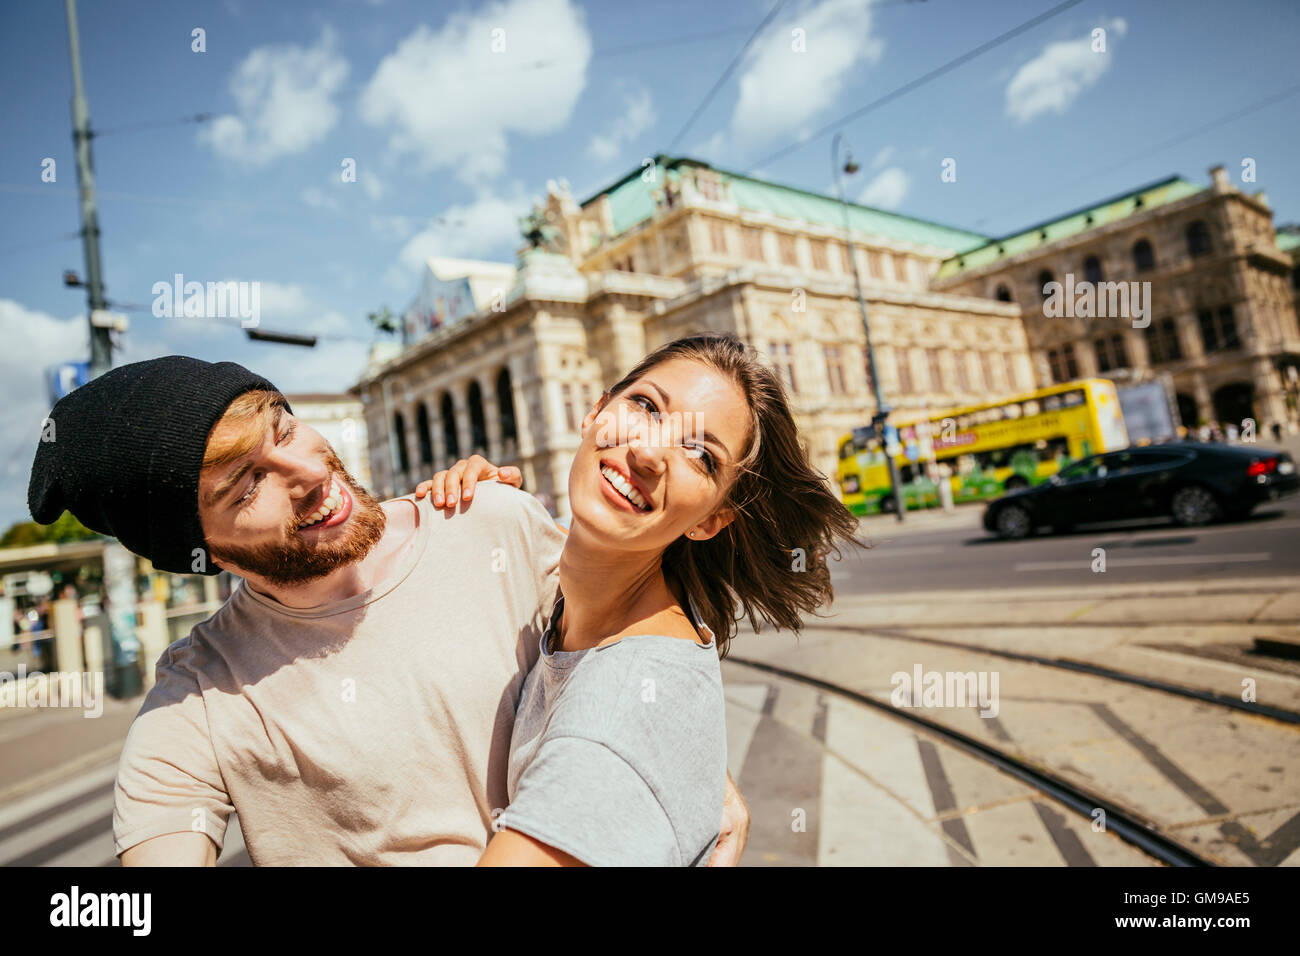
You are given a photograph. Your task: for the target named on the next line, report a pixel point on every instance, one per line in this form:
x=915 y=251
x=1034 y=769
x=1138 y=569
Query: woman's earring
x=690 y=534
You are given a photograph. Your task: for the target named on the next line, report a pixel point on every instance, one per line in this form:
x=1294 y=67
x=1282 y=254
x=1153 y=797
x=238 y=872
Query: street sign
x=63 y=378
x=892 y=446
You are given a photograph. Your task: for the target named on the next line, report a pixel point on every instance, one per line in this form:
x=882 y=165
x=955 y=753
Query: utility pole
x=123 y=645
x=101 y=346
x=882 y=410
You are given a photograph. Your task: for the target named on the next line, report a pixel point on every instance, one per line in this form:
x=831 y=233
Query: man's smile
x=333 y=509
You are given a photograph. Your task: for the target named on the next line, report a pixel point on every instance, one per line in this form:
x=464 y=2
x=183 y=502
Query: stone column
x=460 y=402
x=1204 y=401
x=65 y=624
x=492 y=419
x=438 y=439
x=1270 y=398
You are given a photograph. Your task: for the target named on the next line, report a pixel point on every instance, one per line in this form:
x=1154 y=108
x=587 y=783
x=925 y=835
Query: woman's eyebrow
x=706 y=435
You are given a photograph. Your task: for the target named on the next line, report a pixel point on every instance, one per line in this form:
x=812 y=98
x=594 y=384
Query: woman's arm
x=735 y=828
x=459 y=480
x=511 y=848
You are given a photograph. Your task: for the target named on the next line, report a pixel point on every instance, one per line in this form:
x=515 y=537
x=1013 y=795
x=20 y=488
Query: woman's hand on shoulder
x=457 y=482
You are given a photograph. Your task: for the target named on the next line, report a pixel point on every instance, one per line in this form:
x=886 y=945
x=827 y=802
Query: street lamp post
x=882 y=411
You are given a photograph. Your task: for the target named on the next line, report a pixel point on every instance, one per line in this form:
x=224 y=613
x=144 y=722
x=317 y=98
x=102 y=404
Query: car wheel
x=1194 y=505
x=1013 y=522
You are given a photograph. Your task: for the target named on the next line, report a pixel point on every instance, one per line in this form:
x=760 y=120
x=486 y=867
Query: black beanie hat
x=124 y=452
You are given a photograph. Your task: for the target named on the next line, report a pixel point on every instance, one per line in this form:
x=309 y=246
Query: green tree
x=384 y=321
x=66 y=528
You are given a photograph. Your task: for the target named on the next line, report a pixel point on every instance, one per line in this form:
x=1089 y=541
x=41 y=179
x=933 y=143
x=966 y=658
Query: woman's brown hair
x=770 y=563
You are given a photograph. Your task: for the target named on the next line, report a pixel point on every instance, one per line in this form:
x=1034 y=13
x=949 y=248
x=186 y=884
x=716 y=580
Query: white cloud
x=374 y=187
x=887 y=190
x=329 y=367
x=475 y=230
x=318 y=198
x=882 y=157
x=449 y=101
x=1051 y=81
x=781 y=91
x=636 y=115
x=285 y=102
x=46 y=341
x=279 y=300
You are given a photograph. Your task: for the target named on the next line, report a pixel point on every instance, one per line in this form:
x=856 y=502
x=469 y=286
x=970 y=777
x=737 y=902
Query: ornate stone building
x=679 y=247
x=1213 y=280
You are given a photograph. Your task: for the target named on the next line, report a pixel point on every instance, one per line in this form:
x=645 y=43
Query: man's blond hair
x=243 y=426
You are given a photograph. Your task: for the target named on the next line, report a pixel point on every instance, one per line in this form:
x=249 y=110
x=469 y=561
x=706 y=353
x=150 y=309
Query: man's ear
x=713 y=524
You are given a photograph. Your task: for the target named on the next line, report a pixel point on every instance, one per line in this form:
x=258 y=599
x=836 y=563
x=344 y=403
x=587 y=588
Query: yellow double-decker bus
x=987 y=449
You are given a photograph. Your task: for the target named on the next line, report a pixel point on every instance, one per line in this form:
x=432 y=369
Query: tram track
x=1280 y=714
x=1125 y=822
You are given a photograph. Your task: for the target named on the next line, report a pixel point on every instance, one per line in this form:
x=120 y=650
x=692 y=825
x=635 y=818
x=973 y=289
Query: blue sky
x=452 y=139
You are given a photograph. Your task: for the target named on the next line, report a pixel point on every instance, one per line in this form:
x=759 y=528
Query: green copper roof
x=631 y=202
x=1286 y=241
x=1091 y=217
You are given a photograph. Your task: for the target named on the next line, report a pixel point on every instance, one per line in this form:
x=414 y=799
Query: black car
x=1190 y=482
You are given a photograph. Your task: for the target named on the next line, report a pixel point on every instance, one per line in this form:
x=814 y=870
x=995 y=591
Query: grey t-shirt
x=619 y=752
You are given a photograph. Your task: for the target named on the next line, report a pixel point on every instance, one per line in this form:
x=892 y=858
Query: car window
x=1148 y=459
x=1116 y=463
x=1082 y=470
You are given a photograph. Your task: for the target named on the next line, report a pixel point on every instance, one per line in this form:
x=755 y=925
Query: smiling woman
x=693 y=502
x=773 y=521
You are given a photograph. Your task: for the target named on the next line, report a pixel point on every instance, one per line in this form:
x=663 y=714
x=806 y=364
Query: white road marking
x=1086 y=563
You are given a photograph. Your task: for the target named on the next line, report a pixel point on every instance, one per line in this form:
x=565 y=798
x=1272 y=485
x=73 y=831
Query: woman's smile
x=622 y=491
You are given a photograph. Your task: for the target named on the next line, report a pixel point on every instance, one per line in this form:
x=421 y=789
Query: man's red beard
x=296 y=560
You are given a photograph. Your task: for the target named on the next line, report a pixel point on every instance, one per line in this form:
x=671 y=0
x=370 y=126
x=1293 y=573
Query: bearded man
x=353 y=700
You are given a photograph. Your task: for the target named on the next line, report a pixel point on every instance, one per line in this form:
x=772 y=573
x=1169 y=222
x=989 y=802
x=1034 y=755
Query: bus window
x=1031 y=408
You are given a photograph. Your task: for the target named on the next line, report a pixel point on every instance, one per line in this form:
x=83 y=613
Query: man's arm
x=173 y=849
x=170 y=804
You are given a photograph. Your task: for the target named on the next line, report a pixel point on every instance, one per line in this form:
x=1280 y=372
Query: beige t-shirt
x=373 y=730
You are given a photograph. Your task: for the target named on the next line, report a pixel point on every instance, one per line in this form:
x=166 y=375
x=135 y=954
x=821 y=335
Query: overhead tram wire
x=234 y=323
x=1172 y=141
x=916 y=83
x=625 y=49
x=38 y=243
x=726 y=74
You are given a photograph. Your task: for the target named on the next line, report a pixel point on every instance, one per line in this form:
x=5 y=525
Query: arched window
x=477 y=423
x=447 y=412
x=1144 y=257
x=506 y=406
x=422 y=434
x=1044 y=278
x=399 y=442
x=1092 y=269
x=1003 y=293
x=1198 y=239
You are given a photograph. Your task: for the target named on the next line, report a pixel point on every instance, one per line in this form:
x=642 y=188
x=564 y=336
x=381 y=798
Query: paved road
x=941 y=553
x=828 y=782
